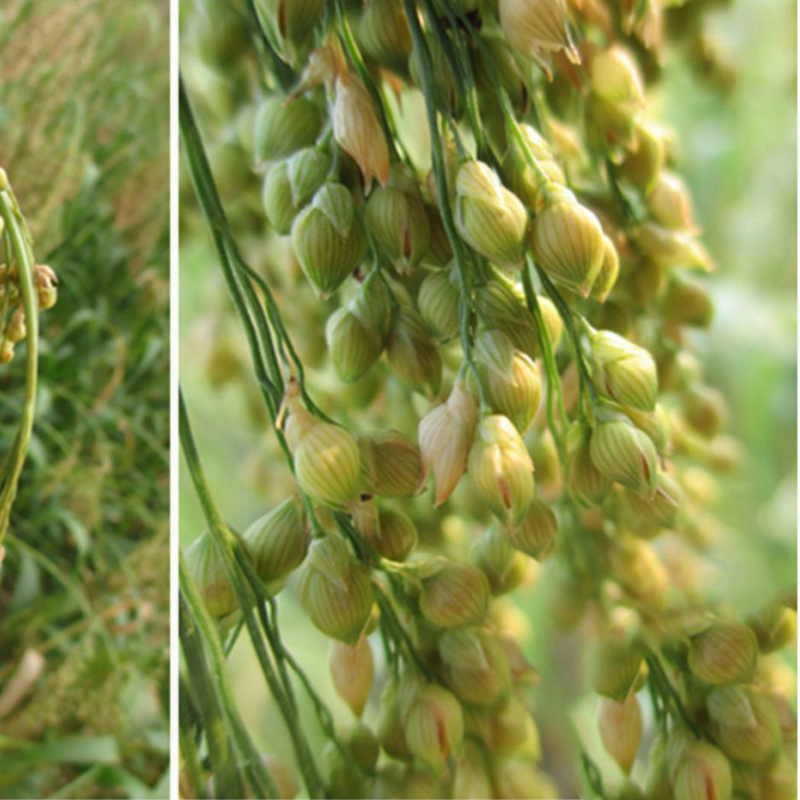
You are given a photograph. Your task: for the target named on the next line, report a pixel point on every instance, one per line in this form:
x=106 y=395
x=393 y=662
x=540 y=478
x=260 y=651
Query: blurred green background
x=84 y=596
x=738 y=153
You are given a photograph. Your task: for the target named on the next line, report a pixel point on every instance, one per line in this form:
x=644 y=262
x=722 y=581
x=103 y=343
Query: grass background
x=738 y=152
x=83 y=137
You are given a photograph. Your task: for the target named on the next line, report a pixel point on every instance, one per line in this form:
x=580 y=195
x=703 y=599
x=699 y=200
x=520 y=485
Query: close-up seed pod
x=207 y=568
x=474 y=666
x=491 y=218
x=616 y=97
x=439 y=302
x=500 y=307
x=606 y=278
x=701 y=772
x=589 y=483
x=538 y=29
x=536 y=534
x=392 y=534
x=389 y=724
x=353 y=347
x=352 y=668
x=277 y=542
x=358 y=130
x=432 y=721
x=504 y=566
x=623 y=371
x=659 y=510
x=568 y=241
x=624 y=454
x=446 y=435
x=284 y=127
x=545 y=472
x=327 y=462
x=292 y=23
x=500 y=469
x=511 y=379
x=391 y=462
x=348 y=761
x=744 y=722
x=412 y=354
x=329 y=239
x=396 y=217
x=290 y=185
x=335 y=590
x=616 y=666
x=620 y=725
x=453 y=594
x=472 y=778
x=384 y=35
x=725 y=652
x=523 y=179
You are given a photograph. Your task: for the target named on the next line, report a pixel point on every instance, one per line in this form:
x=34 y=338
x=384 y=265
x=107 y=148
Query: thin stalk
x=203 y=651
x=190 y=756
x=233 y=637
x=224 y=771
x=206 y=193
x=396 y=629
x=233 y=267
x=226 y=544
x=264 y=597
x=19 y=240
x=457 y=56
x=278 y=68
x=593 y=777
x=553 y=378
x=276 y=320
x=437 y=158
x=663 y=685
x=566 y=313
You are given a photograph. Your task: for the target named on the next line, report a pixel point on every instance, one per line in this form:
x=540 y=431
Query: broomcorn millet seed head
x=543 y=310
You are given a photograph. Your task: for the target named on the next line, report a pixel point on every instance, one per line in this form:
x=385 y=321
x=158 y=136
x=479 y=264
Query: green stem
x=190 y=756
x=276 y=320
x=566 y=313
x=278 y=68
x=458 y=58
x=206 y=193
x=397 y=631
x=663 y=686
x=206 y=692
x=437 y=158
x=284 y=657
x=264 y=597
x=233 y=267
x=553 y=378
x=227 y=544
x=20 y=245
x=593 y=777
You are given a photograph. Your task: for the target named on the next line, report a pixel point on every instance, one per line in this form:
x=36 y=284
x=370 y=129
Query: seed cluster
x=12 y=313
x=528 y=305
